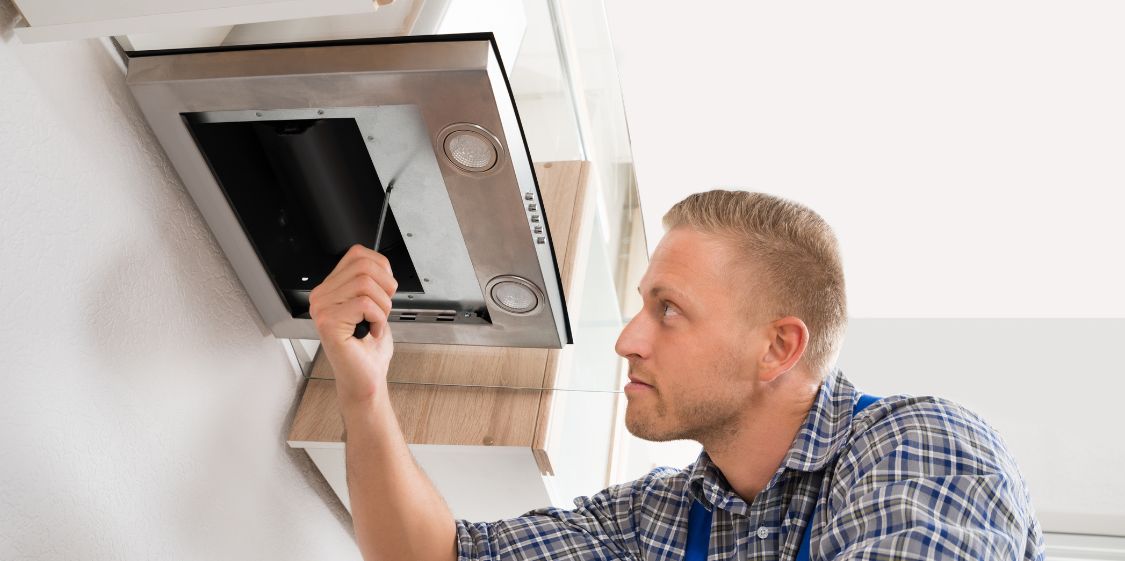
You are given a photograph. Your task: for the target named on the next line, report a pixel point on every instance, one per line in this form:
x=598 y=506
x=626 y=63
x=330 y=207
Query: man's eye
x=668 y=308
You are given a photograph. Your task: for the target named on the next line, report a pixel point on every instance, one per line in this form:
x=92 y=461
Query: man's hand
x=396 y=512
x=360 y=287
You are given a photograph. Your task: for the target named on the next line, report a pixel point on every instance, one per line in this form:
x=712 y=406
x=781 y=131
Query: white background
x=970 y=157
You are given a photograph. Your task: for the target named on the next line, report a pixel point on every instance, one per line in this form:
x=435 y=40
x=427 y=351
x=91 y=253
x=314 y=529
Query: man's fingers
x=369 y=287
x=338 y=289
x=361 y=262
x=341 y=319
x=372 y=312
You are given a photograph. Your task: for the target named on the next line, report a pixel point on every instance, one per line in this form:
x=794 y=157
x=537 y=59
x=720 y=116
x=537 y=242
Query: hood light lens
x=471 y=148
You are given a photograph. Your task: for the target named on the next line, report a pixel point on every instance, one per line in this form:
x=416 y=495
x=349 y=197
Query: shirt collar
x=705 y=483
x=827 y=426
x=819 y=441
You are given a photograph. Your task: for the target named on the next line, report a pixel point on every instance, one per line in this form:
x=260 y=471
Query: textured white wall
x=144 y=405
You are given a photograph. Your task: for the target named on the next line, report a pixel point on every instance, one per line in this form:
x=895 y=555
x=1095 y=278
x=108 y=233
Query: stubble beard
x=711 y=419
x=646 y=428
x=707 y=420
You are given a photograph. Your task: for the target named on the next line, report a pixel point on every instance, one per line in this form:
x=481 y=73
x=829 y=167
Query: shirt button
x=763 y=532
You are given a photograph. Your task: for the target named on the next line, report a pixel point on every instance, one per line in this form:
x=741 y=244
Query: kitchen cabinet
x=53 y=20
x=141 y=25
x=494 y=428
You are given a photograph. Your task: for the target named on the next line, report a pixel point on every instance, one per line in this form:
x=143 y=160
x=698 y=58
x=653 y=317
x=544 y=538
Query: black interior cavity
x=304 y=190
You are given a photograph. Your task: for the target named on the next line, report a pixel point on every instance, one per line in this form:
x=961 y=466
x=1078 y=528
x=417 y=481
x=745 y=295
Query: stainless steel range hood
x=288 y=151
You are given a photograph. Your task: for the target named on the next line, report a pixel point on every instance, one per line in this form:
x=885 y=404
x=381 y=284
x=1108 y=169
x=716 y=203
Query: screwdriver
x=363 y=327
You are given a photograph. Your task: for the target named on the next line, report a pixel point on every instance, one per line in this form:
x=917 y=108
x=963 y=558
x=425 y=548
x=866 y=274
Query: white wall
x=1051 y=387
x=967 y=153
x=968 y=156
x=144 y=405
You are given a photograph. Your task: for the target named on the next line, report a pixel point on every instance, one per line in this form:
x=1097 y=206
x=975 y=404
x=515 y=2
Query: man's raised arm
x=396 y=512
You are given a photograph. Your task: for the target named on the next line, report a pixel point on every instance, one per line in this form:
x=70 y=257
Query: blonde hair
x=795 y=254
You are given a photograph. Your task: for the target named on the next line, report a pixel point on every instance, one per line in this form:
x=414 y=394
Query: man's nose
x=633 y=340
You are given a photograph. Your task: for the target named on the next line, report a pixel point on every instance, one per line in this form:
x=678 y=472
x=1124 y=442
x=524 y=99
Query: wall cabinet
x=52 y=20
x=141 y=25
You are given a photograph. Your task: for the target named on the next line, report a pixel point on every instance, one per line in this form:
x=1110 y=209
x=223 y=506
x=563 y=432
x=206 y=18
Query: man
x=744 y=314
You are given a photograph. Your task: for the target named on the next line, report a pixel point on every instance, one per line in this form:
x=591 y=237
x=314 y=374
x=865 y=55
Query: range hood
x=288 y=151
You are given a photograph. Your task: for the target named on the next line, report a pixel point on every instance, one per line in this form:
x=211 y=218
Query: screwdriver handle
x=363 y=327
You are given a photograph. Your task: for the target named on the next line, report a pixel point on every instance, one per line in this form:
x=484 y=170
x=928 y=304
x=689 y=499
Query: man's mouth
x=637 y=385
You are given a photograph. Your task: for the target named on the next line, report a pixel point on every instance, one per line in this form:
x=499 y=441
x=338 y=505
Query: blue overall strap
x=806 y=541
x=699 y=520
x=698 y=532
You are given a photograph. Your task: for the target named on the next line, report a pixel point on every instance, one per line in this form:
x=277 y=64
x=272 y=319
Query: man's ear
x=788 y=338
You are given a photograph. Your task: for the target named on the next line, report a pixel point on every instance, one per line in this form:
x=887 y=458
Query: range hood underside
x=310 y=138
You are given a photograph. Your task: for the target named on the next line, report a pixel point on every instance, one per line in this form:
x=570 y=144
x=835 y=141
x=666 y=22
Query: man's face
x=691 y=349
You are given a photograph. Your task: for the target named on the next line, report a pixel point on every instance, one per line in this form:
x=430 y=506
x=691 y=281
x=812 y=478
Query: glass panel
x=584 y=33
x=580 y=442
x=616 y=253
x=542 y=92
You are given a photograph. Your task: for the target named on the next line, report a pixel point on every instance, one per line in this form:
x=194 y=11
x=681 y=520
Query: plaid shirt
x=907 y=478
